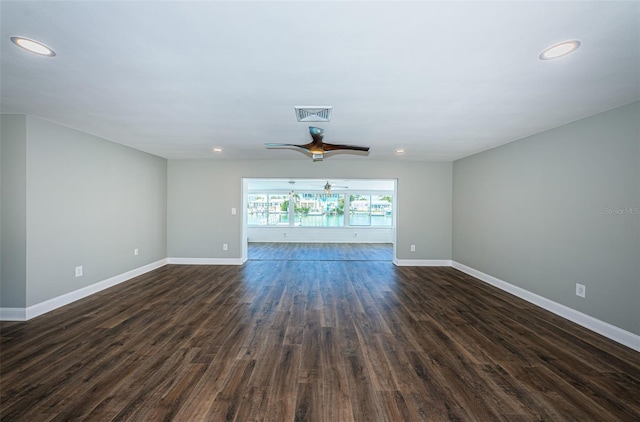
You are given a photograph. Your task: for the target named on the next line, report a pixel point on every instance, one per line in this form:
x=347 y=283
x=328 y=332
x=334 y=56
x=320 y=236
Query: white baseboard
x=603 y=328
x=289 y=240
x=206 y=261
x=422 y=262
x=24 y=314
x=610 y=331
x=13 y=314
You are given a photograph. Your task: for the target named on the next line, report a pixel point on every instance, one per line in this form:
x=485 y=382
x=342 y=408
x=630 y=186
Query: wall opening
x=295 y=210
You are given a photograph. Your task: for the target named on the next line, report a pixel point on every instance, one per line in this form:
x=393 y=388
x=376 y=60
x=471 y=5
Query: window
x=320 y=210
x=381 y=210
x=267 y=209
x=371 y=210
x=278 y=210
x=257 y=210
x=360 y=210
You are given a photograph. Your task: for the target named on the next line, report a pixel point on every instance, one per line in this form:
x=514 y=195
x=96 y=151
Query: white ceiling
x=317 y=185
x=441 y=79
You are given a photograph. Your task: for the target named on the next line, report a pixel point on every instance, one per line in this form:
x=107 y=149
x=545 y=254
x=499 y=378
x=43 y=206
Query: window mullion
x=347 y=208
x=292 y=210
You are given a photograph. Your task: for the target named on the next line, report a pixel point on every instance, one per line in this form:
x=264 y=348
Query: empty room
x=319 y=211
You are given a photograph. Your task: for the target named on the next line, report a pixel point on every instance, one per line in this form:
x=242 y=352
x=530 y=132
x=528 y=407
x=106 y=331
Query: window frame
x=346 y=221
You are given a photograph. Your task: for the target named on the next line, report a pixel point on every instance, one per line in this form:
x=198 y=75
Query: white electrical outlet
x=413 y=248
x=135 y=251
x=79 y=271
x=234 y=211
x=225 y=247
x=581 y=290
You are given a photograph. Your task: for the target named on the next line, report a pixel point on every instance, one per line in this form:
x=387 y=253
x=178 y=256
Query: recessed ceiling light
x=217 y=150
x=400 y=151
x=33 y=46
x=559 y=50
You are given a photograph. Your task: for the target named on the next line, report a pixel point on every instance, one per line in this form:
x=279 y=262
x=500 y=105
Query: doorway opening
x=321 y=212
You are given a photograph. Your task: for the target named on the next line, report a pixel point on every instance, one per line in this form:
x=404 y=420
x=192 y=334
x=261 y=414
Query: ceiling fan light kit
x=327 y=188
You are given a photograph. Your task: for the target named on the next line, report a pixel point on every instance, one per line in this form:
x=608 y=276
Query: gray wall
x=13 y=215
x=89 y=202
x=556 y=209
x=201 y=194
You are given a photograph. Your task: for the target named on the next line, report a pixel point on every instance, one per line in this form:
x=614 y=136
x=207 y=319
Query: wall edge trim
x=205 y=261
x=605 y=329
x=25 y=314
x=422 y=262
x=13 y=314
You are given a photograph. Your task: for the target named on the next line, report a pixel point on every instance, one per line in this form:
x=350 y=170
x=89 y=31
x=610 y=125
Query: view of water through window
x=320 y=210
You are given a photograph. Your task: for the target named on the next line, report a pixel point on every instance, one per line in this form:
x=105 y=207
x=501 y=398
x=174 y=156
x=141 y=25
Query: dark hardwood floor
x=321 y=251
x=311 y=340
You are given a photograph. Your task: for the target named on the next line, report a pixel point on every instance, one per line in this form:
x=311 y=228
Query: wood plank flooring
x=321 y=251
x=311 y=341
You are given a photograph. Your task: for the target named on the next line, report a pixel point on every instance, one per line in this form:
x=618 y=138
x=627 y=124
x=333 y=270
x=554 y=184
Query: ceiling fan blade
x=317 y=148
x=275 y=145
x=336 y=147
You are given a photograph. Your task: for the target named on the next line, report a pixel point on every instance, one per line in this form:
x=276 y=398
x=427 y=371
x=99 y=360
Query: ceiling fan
x=317 y=148
x=328 y=186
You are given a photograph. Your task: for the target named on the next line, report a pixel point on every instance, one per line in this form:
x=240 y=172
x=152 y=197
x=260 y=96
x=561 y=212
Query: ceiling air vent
x=313 y=113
